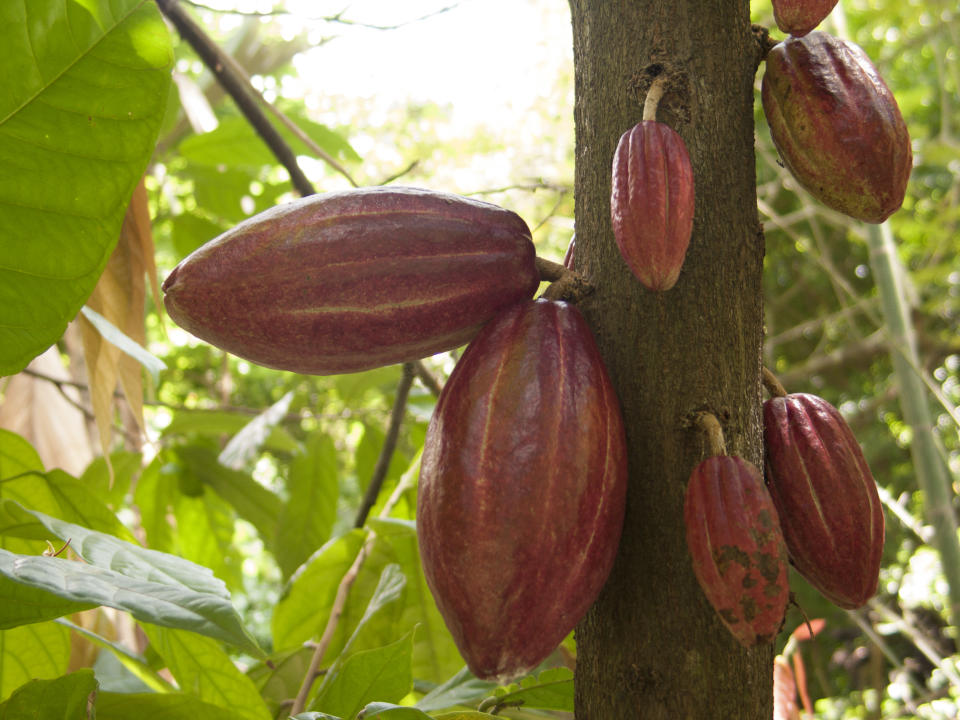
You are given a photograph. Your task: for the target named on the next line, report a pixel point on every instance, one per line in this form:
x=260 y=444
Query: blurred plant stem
x=933 y=476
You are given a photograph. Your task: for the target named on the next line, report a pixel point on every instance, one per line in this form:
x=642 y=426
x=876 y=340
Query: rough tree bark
x=652 y=647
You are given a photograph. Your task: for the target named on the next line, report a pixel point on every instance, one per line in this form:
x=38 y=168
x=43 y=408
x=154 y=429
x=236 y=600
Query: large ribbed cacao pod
x=798 y=17
x=837 y=126
x=522 y=488
x=353 y=280
x=651 y=202
x=736 y=546
x=826 y=497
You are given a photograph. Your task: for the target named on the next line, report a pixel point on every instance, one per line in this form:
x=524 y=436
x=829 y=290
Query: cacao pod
x=837 y=126
x=736 y=546
x=354 y=280
x=826 y=496
x=651 y=202
x=522 y=488
x=798 y=17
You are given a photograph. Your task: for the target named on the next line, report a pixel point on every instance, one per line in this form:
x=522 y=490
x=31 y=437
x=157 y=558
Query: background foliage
x=218 y=525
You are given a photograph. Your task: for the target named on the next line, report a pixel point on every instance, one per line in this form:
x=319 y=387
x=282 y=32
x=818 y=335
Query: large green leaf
x=200 y=665
x=84 y=90
x=147 y=706
x=311 y=507
x=32 y=651
x=378 y=674
x=63 y=698
x=154 y=587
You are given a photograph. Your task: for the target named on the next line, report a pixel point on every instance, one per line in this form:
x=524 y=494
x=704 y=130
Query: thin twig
x=389 y=445
x=290 y=124
x=427 y=378
x=338 y=18
x=339 y=603
x=241 y=92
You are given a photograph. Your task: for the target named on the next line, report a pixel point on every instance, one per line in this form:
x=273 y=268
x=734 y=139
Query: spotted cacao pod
x=837 y=126
x=826 y=497
x=736 y=546
x=798 y=17
x=354 y=280
x=522 y=488
x=651 y=202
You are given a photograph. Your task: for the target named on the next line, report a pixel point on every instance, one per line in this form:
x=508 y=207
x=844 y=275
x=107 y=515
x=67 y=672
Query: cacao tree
x=251 y=550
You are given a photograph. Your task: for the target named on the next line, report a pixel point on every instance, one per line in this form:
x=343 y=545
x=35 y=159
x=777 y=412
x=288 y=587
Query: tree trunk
x=652 y=647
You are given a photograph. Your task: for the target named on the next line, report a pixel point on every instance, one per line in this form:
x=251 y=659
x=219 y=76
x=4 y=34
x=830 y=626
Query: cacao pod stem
x=773 y=385
x=653 y=97
x=709 y=424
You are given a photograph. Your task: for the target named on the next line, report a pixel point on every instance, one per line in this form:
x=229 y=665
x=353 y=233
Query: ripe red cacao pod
x=736 y=546
x=354 y=280
x=798 y=17
x=837 y=126
x=522 y=488
x=651 y=202
x=826 y=497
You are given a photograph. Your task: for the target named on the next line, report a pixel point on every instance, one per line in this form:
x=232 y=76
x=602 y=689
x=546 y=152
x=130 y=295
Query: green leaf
x=58 y=494
x=552 y=689
x=435 y=655
x=152 y=586
x=388 y=711
x=154 y=496
x=216 y=423
x=17 y=456
x=311 y=508
x=64 y=698
x=136 y=664
x=80 y=106
x=281 y=679
x=30 y=652
x=464 y=688
x=96 y=477
x=202 y=667
x=22 y=604
x=234 y=143
x=252 y=501
x=244 y=445
x=381 y=673
x=149 y=706
x=115 y=336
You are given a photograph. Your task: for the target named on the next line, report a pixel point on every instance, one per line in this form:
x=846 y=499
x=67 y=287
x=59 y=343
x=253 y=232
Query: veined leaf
x=82 y=100
x=37 y=651
x=308 y=515
x=153 y=586
x=204 y=669
x=244 y=445
x=63 y=698
x=382 y=673
x=152 y=706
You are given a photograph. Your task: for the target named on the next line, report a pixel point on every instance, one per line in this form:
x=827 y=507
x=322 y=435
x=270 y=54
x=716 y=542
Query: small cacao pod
x=826 y=497
x=651 y=202
x=798 y=17
x=522 y=488
x=837 y=126
x=736 y=546
x=354 y=280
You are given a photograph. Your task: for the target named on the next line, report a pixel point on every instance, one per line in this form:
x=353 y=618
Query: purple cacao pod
x=651 y=203
x=354 y=280
x=736 y=546
x=798 y=17
x=522 y=488
x=826 y=497
x=837 y=126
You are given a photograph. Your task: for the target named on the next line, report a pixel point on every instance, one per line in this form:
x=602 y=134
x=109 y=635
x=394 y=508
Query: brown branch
x=339 y=603
x=426 y=377
x=239 y=90
x=338 y=18
x=389 y=445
